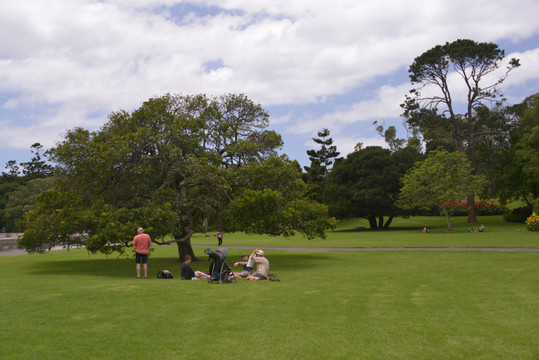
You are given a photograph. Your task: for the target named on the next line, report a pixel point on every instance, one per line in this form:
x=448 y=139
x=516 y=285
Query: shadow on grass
x=391 y=228
x=125 y=268
x=115 y=268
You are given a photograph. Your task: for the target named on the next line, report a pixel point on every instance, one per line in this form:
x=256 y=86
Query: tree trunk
x=183 y=239
x=185 y=248
x=372 y=222
x=472 y=216
x=381 y=221
x=388 y=222
x=447 y=219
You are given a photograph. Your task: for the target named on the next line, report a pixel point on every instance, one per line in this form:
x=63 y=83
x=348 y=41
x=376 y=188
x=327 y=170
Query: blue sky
x=315 y=64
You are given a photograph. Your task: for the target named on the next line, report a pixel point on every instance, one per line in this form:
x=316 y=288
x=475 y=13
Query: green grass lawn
x=328 y=304
x=402 y=233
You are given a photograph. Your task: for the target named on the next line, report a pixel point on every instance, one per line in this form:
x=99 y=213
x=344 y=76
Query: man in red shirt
x=142 y=242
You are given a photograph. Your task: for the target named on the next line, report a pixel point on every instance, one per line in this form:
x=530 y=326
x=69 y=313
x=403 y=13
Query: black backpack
x=164 y=274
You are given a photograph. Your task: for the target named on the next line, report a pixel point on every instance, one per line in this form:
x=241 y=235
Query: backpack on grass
x=164 y=274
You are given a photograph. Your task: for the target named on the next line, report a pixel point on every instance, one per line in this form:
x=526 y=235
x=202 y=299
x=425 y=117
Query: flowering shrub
x=483 y=208
x=533 y=222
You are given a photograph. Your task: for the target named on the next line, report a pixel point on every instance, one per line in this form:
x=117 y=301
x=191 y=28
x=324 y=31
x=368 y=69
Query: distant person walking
x=219 y=237
x=142 y=243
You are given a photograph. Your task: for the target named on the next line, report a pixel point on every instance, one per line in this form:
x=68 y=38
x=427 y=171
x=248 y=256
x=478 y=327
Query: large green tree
x=366 y=184
x=271 y=198
x=527 y=149
x=438 y=181
x=509 y=158
x=166 y=166
x=444 y=113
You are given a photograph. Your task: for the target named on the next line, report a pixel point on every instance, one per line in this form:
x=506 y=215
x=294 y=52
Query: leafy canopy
x=167 y=166
x=442 y=177
x=366 y=184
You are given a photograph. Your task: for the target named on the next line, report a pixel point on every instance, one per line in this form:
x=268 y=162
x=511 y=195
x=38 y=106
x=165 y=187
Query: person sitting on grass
x=247 y=263
x=262 y=266
x=480 y=229
x=187 y=273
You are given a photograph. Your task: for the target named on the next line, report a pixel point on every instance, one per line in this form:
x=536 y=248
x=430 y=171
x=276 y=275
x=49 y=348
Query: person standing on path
x=142 y=243
x=219 y=237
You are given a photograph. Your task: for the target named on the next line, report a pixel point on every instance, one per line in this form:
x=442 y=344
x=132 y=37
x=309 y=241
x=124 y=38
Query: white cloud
x=385 y=105
x=83 y=56
x=528 y=70
x=347 y=144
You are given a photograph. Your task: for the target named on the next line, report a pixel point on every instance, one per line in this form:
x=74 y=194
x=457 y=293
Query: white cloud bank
x=77 y=58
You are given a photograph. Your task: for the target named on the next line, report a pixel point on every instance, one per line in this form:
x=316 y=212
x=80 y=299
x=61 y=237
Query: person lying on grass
x=262 y=266
x=188 y=273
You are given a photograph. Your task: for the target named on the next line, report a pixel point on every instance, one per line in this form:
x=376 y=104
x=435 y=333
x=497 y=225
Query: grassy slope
x=329 y=305
x=403 y=232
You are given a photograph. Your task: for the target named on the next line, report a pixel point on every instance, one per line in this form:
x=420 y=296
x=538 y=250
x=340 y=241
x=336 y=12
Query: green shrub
x=518 y=215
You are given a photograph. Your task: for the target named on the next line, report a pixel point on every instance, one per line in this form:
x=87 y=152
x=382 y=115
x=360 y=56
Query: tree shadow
x=125 y=268
x=115 y=268
x=397 y=228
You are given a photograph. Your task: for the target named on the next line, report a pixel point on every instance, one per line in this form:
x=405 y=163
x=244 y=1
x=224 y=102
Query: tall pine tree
x=321 y=164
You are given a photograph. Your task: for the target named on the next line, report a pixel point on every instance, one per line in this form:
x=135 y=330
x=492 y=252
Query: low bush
x=518 y=215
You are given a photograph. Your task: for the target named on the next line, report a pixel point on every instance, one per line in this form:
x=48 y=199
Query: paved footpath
x=379 y=248
x=298 y=248
x=21 y=251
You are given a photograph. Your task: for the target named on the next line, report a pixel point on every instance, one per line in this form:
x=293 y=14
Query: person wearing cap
x=142 y=242
x=262 y=266
x=247 y=263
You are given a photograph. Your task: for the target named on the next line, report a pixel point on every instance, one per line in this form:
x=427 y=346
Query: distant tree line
x=498 y=144
x=181 y=161
x=20 y=184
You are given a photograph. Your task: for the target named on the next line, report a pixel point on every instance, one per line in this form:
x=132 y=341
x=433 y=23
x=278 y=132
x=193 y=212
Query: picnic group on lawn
x=142 y=243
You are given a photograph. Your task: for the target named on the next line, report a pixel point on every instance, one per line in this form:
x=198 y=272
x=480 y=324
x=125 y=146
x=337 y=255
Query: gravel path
x=19 y=251
x=379 y=248
x=299 y=248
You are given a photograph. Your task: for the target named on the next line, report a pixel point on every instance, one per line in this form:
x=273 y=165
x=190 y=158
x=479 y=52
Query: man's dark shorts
x=260 y=276
x=141 y=257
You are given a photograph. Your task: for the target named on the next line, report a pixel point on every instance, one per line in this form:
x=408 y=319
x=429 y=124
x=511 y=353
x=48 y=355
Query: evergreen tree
x=37 y=167
x=321 y=164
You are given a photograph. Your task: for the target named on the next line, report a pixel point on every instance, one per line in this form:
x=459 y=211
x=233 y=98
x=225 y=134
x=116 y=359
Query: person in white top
x=247 y=263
